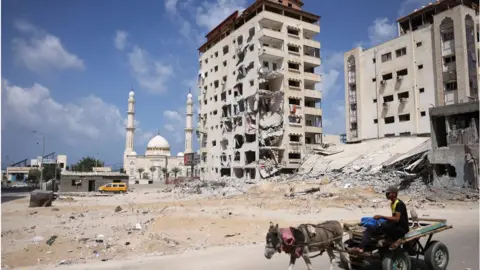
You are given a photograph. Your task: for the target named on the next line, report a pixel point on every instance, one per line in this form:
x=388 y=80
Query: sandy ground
x=155 y=223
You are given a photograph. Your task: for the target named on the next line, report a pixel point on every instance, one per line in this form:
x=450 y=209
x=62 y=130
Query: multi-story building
x=259 y=110
x=433 y=62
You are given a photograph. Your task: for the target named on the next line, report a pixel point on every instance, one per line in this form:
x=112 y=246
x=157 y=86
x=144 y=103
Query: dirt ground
x=152 y=222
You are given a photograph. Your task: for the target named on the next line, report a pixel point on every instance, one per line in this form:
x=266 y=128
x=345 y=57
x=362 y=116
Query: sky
x=68 y=66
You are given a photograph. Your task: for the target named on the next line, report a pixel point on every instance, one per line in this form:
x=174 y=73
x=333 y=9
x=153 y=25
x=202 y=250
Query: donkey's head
x=273 y=243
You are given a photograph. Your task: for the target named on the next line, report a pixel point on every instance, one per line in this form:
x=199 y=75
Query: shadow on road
x=416 y=265
x=14 y=193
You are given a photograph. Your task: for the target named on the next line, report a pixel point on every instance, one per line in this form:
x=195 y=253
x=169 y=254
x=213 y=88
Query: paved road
x=462 y=242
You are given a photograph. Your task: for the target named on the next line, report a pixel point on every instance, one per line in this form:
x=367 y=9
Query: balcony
x=312 y=129
x=311 y=43
x=311 y=27
x=448 y=47
x=271 y=53
x=312 y=111
x=449 y=76
x=312 y=60
x=313 y=93
x=315 y=78
x=269 y=33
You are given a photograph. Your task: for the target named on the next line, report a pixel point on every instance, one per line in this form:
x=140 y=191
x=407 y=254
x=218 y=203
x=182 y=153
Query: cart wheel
x=437 y=256
x=396 y=260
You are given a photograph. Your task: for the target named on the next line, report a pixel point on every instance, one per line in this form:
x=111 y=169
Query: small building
x=89 y=181
x=455 y=153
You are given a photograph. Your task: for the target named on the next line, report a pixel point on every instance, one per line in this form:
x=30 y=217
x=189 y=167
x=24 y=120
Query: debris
x=118 y=209
x=41 y=198
x=65 y=262
x=51 y=240
x=138 y=226
x=55 y=209
x=127 y=243
x=37 y=239
x=99 y=238
x=231 y=235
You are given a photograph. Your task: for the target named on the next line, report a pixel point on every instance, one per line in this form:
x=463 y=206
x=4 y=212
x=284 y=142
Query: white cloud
x=331 y=69
x=169 y=127
x=120 y=40
x=150 y=74
x=171 y=6
x=41 y=51
x=210 y=14
x=172 y=115
x=381 y=30
x=85 y=124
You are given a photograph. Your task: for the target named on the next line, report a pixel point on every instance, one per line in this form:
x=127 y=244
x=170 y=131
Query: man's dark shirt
x=402 y=209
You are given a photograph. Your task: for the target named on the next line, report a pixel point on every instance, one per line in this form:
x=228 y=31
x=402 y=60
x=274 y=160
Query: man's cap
x=390 y=189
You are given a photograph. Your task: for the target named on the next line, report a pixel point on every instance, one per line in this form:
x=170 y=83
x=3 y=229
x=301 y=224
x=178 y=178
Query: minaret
x=130 y=123
x=188 y=127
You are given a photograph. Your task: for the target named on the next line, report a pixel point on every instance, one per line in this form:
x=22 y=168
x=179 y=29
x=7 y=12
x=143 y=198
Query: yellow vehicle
x=113 y=187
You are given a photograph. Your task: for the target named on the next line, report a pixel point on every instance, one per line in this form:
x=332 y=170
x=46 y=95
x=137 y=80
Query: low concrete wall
x=66 y=182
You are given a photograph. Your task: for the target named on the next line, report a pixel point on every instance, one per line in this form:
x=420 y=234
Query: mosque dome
x=180 y=154
x=189 y=95
x=131 y=94
x=158 y=145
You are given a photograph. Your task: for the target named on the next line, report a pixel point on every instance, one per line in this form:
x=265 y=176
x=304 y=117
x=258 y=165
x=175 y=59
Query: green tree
x=140 y=171
x=175 y=171
x=152 y=169
x=34 y=175
x=51 y=171
x=86 y=164
x=122 y=170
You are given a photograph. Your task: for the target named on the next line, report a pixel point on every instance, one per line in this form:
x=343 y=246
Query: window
x=404 y=117
x=401 y=52
x=293 y=83
x=449 y=59
x=251 y=47
x=451 y=86
x=422 y=113
x=402 y=72
x=374 y=100
x=293 y=66
x=289 y=4
x=447 y=36
x=389 y=120
x=216 y=68
x=216 y=54
x=387 y=76
x=215 y=98
x=251 y=32
x=225 y=49
x=294 y=49
x=76 y=183
x=373 y=60
x=265 y=64
x=419 y=44
x=374 y=79
x=420 y=66
x=240 y=40
x=403 y=95
x=215 y=83
x=386 y=57
x=421 y=90
x=224 y=79
x=214 y=143
x=293 y=32
x=388 y=98
x=375 y=121
x=206 y=61
x=251 y=83
x=274 y=66
x=225 y=63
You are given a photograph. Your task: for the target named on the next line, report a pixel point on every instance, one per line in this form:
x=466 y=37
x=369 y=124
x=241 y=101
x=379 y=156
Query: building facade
x=433 y=62
x=89 y=181
x=258 y=107
x=157 y=158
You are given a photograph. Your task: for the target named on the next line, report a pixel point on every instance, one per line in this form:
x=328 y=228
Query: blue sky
x=67 y=67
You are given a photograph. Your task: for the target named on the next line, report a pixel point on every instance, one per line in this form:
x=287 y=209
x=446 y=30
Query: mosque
x=157 y=156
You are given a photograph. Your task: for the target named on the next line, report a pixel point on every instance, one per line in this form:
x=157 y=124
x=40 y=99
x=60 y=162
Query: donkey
x=306 y=238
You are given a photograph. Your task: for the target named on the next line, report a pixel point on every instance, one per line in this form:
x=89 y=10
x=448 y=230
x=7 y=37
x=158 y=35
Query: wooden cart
x=435 y=253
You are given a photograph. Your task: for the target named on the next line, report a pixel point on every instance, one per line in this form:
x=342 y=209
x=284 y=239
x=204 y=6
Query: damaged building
x=259 y=109
x=454 y=153
x=433 y=61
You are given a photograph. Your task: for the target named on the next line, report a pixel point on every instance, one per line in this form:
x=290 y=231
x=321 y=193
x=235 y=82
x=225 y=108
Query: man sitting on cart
x=395 y=226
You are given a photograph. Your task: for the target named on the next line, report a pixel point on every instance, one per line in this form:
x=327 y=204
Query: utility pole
x=43 y=154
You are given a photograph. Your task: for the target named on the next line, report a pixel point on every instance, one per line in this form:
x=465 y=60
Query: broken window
x=401 y=52
x=293 y=32
x=294 y=49
x=404 y=117
x=236 y=156
x=216 y=54
x=420 y=66
x=215 y=98
x=215 y=83
x=225 y=49
x=448 y=59
x=293 y=66
x=238 y=141
x=251 y=33
x=294 y=101
x=250 y=157
x=250 y=138
x=223 y=96
x=422 y=113
x=387 y=76
x=389 y=120
x=215 y=112
x=251 y=82
x=294 y=119
x=294 y=138
x=451 y=86
x=293 y=83
x=403 y=95
x=241 y=105
x=388 y=98
x=240 y=40
x=419 y=44
x=402 y=72
x=386 y=57
x=214 y=143
x=294 y=156
x=421 y=90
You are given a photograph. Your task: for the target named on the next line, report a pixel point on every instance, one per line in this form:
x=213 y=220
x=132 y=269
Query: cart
x=435 y=253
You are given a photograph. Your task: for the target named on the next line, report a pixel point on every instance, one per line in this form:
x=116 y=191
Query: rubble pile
x=224 y=186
